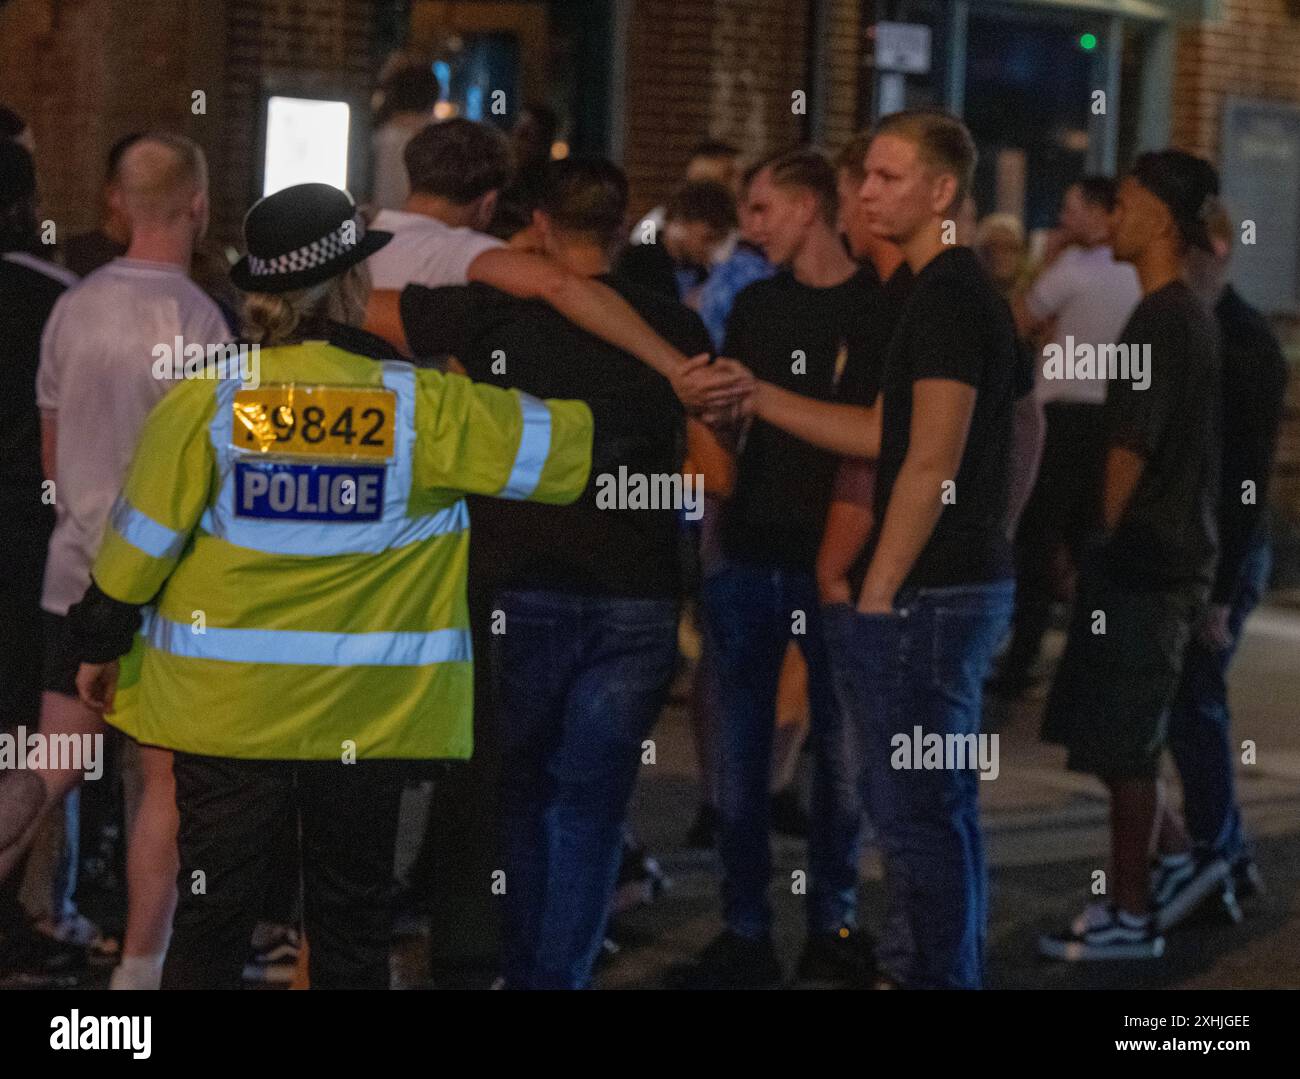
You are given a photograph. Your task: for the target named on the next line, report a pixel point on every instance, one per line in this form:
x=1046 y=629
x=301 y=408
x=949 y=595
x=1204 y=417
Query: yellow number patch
x=315 y=421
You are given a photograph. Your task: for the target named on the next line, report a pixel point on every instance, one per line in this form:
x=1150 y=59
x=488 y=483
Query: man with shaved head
x=95 y=386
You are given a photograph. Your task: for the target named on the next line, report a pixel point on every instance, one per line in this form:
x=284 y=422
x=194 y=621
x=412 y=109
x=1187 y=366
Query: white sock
x=138 y=972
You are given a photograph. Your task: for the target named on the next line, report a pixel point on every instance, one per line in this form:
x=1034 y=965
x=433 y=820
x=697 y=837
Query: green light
x=1087 y=42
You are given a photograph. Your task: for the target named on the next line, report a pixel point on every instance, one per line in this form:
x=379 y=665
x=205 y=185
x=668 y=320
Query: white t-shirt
x=96 y=375
x=424 y=251
x=391 y=186
x=1091 y=297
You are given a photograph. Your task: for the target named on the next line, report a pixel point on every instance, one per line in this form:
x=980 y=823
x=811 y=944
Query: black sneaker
x=730 y=962
x=788 y=817
x=35 y=960
x=1102 y=932
x=1186 y=887
x=704 y=832
x=846 y=958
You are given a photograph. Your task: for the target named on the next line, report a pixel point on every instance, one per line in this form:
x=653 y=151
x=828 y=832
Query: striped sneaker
x=1102 y=932
x=1183 y=887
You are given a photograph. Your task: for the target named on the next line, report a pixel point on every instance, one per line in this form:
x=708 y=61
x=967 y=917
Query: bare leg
x=1133 y=810
x=21 y=802
x=151 y=858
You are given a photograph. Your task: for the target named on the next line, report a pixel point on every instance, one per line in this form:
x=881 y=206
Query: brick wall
x=86 y=73
x=709 y=69
x=1252 y=50
x=297 y=47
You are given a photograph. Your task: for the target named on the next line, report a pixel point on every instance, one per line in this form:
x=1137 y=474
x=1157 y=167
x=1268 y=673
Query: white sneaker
x=1102 y=932
x=1188 y=887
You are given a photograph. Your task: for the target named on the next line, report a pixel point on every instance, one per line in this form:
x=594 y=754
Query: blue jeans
x=750 y=617
x=924 y=666
x=579 y=682
x=1199 y=721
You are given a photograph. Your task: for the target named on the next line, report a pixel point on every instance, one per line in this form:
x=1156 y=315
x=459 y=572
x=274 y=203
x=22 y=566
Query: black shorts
x=1110 y=699
x=59 y=663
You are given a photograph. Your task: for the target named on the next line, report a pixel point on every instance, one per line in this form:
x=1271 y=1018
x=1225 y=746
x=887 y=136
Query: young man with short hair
x=938 y=589
x=588 y=597
x=457 y=168
x=1145 y=584
x=1255 y=373
x=699 y=219
x=816 y=328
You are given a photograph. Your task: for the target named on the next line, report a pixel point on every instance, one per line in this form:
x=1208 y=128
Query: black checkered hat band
x=317 y=253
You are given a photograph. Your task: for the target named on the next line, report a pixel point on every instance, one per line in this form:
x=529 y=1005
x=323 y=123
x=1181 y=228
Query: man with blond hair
x=938 y=589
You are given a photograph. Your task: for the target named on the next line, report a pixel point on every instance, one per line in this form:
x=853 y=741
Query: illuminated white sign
x=306 y=142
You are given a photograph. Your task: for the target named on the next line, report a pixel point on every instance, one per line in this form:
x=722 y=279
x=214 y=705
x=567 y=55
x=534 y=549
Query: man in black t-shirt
x=1144 y=586
x=585 y=631
x=911 y=659
x=1254 y=376
x=818 y=328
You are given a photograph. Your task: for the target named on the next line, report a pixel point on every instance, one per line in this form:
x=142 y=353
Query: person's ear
x=199 y=213
x=943 y=194
x=487 y=208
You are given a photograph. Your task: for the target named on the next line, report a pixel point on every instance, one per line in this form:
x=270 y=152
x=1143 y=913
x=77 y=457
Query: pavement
x=1046 y=832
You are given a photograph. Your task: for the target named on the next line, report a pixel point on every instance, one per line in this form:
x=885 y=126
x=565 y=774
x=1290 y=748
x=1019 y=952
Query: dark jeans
x=924 y=666
x=579 y=683
x=1199 y=722
x=750 y=618
x=233 y=814
x=1059 y=516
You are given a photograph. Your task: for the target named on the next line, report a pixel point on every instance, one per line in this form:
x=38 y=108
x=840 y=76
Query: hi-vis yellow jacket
x=303 y=549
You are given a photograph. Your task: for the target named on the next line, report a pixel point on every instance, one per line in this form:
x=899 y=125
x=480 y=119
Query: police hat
x=300 y=236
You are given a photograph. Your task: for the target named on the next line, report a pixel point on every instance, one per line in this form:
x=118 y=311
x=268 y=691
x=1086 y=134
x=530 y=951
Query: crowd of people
x=416 y=537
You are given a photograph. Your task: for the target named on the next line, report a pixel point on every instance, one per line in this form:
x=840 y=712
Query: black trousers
x=342 y=820
x=1062 y=512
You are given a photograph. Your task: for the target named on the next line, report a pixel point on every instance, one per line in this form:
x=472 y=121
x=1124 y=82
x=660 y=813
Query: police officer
x=301 y=545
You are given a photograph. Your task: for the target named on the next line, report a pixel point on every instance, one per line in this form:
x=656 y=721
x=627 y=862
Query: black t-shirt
x=1254 y=376
x=650 y=267
x=582 y=548
x=824 y=343
x=1168 y=535
x=955 y=326
x=26 y=298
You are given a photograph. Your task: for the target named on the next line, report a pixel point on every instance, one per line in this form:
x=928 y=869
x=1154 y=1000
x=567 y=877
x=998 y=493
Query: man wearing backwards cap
x=302 y=547
x=1144 y=583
